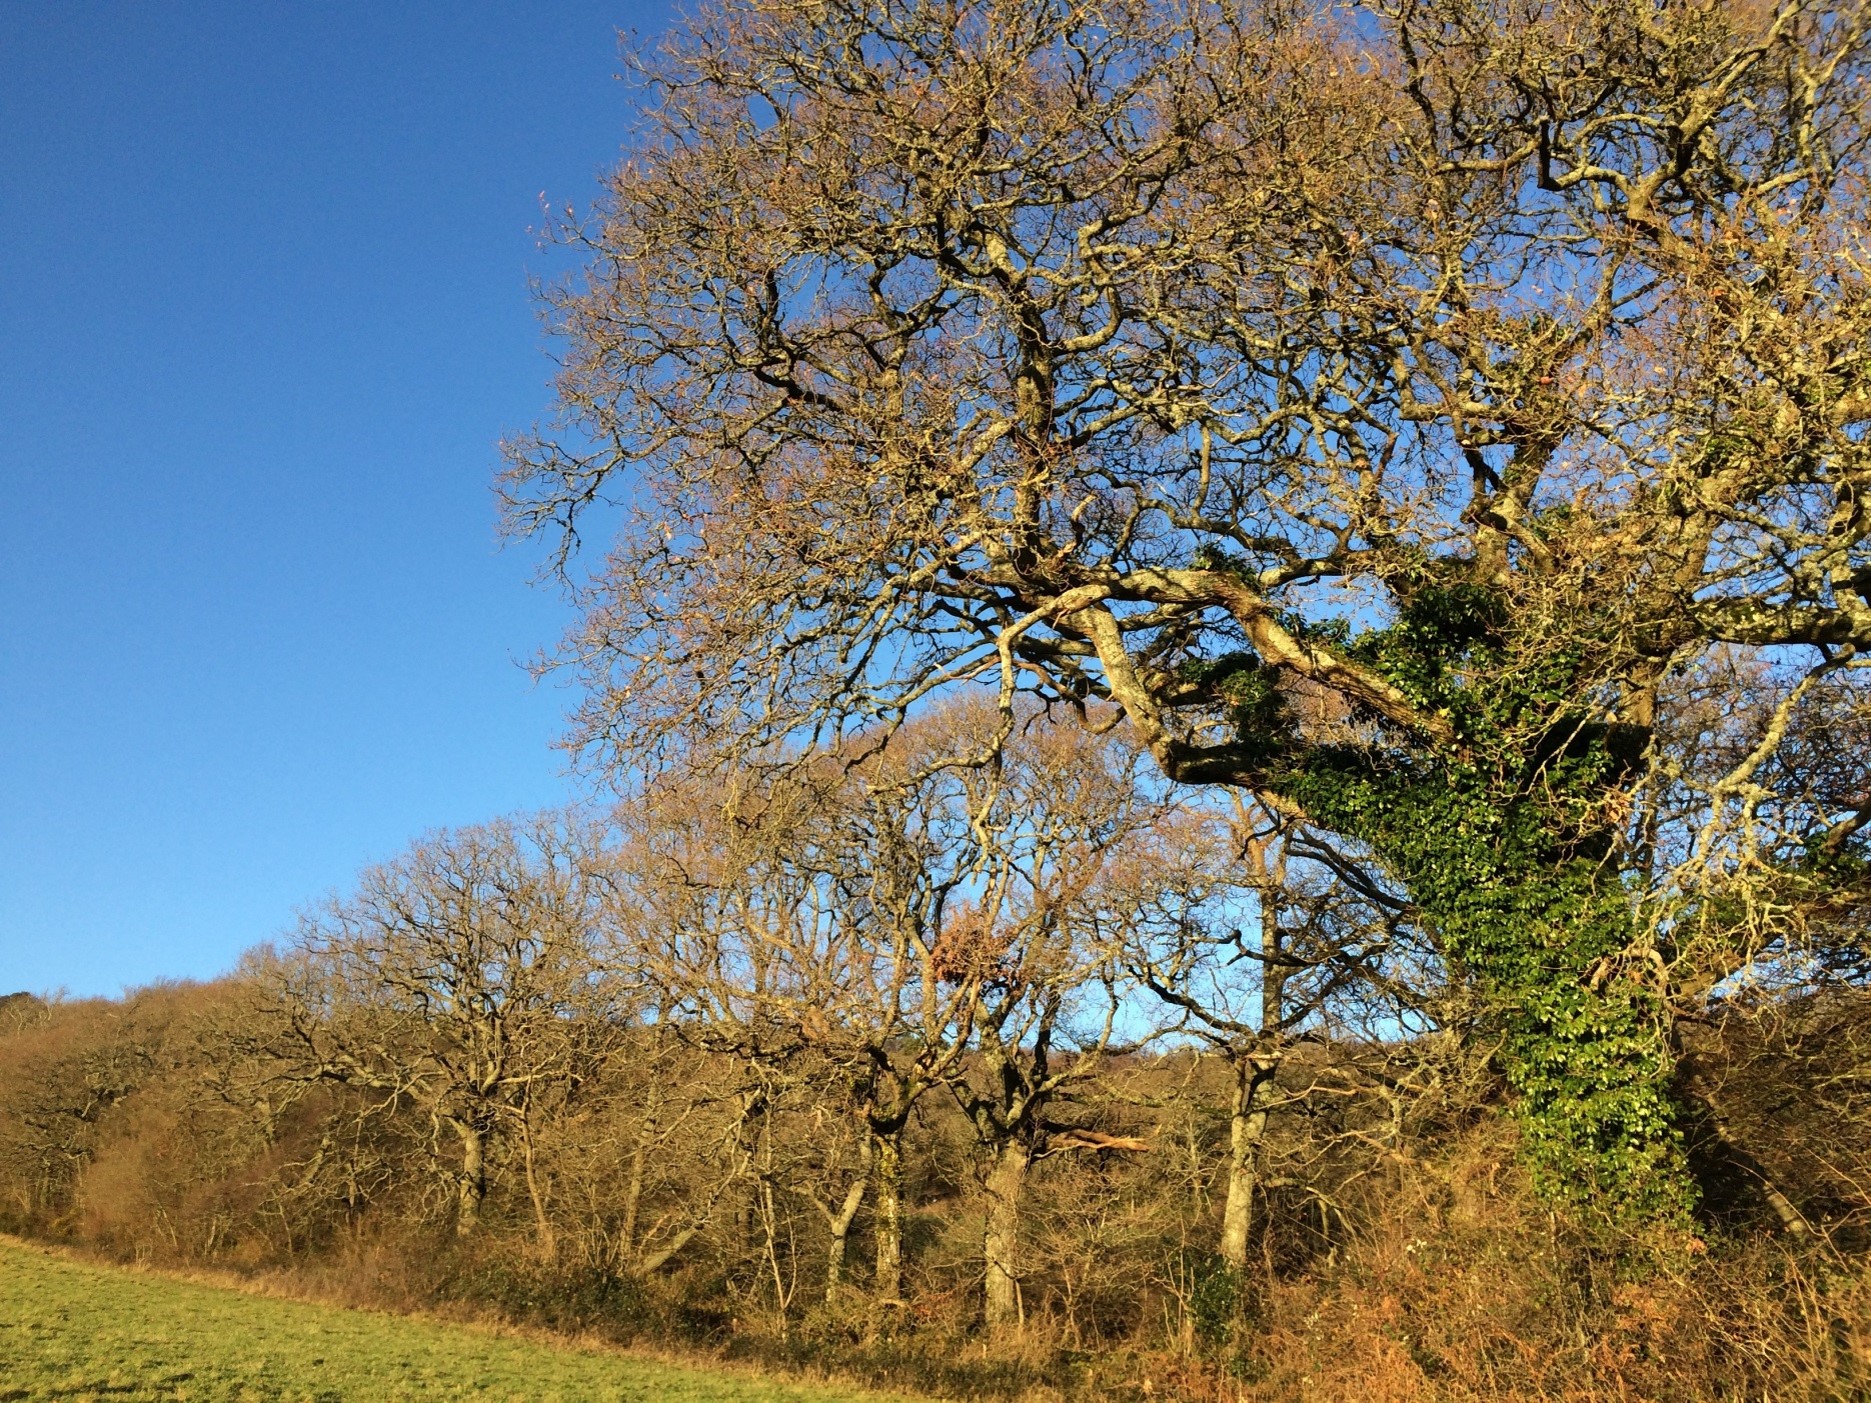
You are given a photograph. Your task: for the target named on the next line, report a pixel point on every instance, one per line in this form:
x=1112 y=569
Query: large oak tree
x=1410 y=412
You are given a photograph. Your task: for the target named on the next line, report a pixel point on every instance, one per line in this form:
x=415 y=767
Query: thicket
x=1394 y=1255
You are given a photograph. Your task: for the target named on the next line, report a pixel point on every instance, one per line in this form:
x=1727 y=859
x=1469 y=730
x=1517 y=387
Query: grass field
x=74 y=1332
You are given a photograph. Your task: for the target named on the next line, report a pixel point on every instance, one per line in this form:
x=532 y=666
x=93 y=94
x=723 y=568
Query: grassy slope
x=73 y=1331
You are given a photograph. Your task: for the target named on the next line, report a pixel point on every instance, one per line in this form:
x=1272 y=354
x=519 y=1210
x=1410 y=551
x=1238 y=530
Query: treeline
x=984 y=1078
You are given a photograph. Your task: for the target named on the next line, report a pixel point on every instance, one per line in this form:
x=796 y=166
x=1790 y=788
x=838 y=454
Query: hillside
x=71 y=1330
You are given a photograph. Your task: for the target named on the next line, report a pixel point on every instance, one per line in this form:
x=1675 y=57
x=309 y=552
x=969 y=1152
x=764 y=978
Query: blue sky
x=263 y=317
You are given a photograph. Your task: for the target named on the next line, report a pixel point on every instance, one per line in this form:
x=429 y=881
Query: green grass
x=73 y=1331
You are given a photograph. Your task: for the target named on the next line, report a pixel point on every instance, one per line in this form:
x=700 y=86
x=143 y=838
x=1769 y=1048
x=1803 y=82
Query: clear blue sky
x=263 y=317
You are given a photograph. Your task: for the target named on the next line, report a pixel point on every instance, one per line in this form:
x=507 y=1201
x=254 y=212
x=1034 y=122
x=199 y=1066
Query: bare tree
x=460 y=978
x=1037 y=944
x=1326 y=934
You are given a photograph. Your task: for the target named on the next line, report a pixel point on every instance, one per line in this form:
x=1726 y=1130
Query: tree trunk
x=633 y=1185
x=1253 y=1069
x=839 y=1225
x=887 y=1172
x=471 y=1188
x=542 y=1221
x=1246 y=1126
x=1001 y=1242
